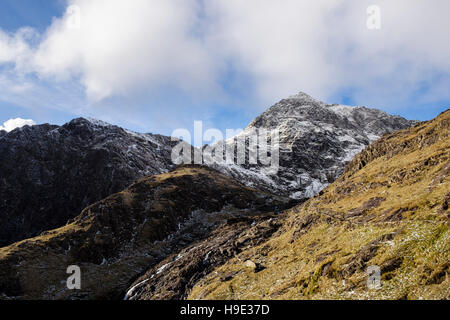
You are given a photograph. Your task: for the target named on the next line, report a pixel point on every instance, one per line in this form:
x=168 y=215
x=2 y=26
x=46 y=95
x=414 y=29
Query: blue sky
x=36 y=14
x=155 y=66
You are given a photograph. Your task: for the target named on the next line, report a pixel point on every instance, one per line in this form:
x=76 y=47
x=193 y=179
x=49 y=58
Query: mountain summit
x=317 y=140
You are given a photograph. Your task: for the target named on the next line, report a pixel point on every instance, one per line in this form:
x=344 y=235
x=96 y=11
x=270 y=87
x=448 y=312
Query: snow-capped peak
x=316 y=142
x=305 y=98
x=98 y=122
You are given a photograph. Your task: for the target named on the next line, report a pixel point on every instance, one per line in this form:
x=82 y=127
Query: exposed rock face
x=116 y=240
x=317 y=140
x=174 y=277
x=389 y=209
x=48 y=174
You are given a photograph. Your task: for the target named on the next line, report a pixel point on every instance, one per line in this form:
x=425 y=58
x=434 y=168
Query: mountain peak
x=304 y=97
x=98 y=122
x=90 y=121
x=316 y=141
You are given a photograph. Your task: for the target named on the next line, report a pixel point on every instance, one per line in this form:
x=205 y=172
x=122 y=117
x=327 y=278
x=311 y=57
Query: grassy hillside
x=389 y=209
x=115 y=240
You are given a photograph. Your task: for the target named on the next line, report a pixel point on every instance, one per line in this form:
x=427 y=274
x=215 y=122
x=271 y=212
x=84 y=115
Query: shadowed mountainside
x=115 y=240
x=50 y=173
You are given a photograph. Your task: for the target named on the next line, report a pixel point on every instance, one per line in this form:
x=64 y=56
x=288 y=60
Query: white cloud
x=121 y=46
x=324 y=46
x=320 y=47
x=277 y=42
x=12 y=124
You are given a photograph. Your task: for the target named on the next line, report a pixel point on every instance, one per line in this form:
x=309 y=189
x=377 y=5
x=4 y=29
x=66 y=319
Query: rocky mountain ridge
x=50 y=173
x=316 y=141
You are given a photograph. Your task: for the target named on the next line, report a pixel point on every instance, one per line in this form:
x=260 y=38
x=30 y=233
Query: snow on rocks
x=317 y=140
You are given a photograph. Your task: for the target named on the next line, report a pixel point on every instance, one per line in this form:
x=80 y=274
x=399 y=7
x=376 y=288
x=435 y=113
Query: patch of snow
x=372 y=137
x=351 y=153
x=314 y=188
x=161 y=269
x=130 y=293
x=297 y=195
x=145 y=136
x=344 y=111
x=98 y=122
x=178 y=257
x=346 y=137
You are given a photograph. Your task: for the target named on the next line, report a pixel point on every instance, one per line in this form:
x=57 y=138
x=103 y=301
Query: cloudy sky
x=158 y=65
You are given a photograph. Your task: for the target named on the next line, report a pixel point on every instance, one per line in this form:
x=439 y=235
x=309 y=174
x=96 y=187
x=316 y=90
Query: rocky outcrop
x=116 y=240
x=174 y=277
x=48 y=174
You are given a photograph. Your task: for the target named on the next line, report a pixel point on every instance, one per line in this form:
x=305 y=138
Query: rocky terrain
x=389 y=209
x=116 y=240
x=48 y=173
x=316 y=141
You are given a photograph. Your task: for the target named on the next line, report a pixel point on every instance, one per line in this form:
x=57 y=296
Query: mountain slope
x=115 y=240
x=50 y=173
x=317 y=140
x=389 y=209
